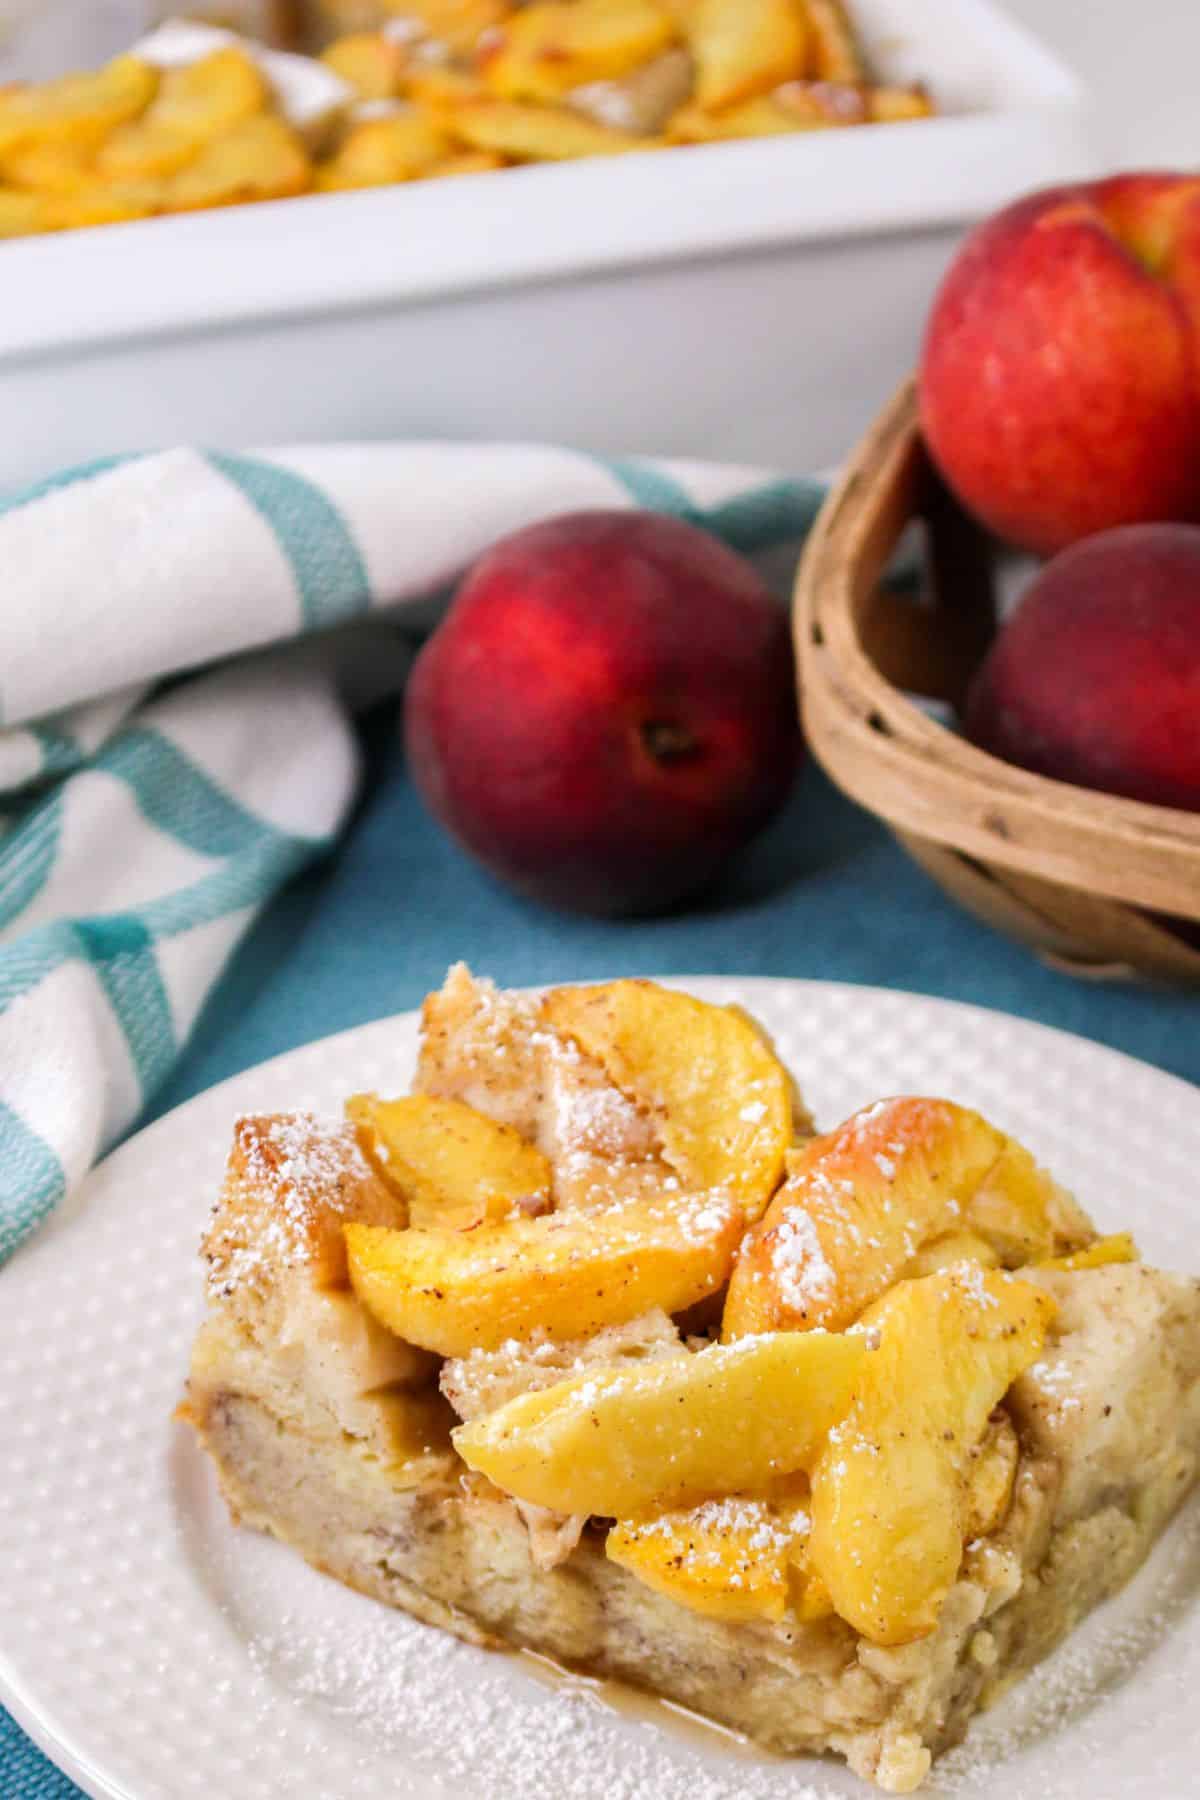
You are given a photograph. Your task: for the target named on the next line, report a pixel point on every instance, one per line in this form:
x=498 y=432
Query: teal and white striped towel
x=145 y=820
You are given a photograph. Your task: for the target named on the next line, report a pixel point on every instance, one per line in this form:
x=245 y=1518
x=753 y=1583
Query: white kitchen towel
x=145 y=818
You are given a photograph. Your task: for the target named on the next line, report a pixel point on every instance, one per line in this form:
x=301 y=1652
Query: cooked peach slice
x=1119 y=1248
x=745 y=47
x=24 y=215
x=810 y=1597
x=373 y=63
x=893 y=105
x=260 y=159
x=565 y=1275
x=954 y=1247
x=720 y=1099
x=467 y=162
x=731 y=1558
x=528 y=133
x=50 y=165
x=548 y=49
x=439 y=87
x=459 y=24
x=891 y=1494
x=1019 y=1209
x=761 y=117
x=107 y=203
x=79 y=108
x=833 y=52
x=452 y=1165
x=379 y=152
x=859 y=1203
x=628 y=1441
x=794 y=106
x=193 y=105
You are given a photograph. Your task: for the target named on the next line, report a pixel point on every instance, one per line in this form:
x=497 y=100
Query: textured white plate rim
x=58 y=1736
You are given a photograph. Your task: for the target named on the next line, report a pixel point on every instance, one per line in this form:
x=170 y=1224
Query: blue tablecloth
x=824 y=893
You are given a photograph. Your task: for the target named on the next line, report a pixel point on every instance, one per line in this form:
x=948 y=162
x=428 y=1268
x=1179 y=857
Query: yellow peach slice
x=50 y=165
x=193 y=105
x=566 y=1275
x=381 y=151
x=374 y=64
x=23 y=214
x=745 y=47
x=891 y=1495
x=721 y=1101
x=954 y=1247
x=861 y=1202
x=893 y=105
x=761 y=117
x=451 y=1164
x=260 y=159
x=1119 y=1248
x=626 y=1441
x=833 y=52
x=548 y=49
x=458 y=24
x=78 y=108
x=729 y=1558
x=528 y=133
x=107 y=203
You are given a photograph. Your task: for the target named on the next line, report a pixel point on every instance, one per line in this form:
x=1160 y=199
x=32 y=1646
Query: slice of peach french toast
x=588 y=1345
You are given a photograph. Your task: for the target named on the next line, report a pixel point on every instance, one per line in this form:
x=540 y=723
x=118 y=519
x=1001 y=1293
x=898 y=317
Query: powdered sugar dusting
x=711 y=1526
x=441 y=1717
x=485 y=1379
x=1056 y=1378
x=305 y=1155
x=481 y=1726
x=1085 y=1672
x=970 y=1278
x=802 y=1273
x=295 y=1179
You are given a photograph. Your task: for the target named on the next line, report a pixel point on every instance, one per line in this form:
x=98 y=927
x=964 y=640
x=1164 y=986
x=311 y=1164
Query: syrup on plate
x=648 y=1709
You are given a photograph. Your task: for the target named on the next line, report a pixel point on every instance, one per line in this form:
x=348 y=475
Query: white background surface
x=1140 y=58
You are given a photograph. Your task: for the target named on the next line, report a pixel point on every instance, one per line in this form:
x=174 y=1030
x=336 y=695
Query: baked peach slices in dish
x=589 y=1345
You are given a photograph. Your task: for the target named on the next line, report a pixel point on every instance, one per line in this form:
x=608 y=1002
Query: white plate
x=158 y=1653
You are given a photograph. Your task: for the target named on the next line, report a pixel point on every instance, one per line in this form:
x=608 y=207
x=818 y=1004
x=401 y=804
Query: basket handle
x=886 y=753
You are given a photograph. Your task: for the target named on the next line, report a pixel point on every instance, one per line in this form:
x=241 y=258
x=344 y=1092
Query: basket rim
x=924 y=778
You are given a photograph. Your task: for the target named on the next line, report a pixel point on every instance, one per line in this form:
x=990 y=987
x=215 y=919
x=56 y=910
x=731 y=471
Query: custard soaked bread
x=590 y=1346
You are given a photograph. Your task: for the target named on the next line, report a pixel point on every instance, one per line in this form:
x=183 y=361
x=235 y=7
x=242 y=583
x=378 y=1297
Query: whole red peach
x=607 y=712
x=1096 y=677
x=1060 y=375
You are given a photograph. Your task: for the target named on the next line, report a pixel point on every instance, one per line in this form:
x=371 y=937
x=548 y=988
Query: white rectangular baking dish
x=748 y=301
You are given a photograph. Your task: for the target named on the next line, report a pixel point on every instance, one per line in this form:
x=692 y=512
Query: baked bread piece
x=335 y=1434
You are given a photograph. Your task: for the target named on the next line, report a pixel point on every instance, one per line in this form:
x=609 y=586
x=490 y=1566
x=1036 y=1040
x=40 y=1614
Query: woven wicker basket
x=1097 y=884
